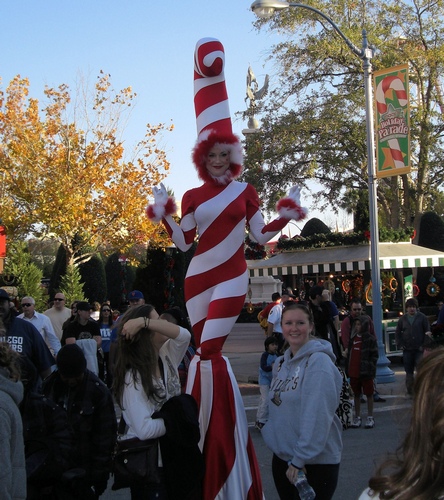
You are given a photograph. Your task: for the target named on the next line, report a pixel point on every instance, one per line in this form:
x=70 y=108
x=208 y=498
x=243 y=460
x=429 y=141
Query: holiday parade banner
x=392 y=121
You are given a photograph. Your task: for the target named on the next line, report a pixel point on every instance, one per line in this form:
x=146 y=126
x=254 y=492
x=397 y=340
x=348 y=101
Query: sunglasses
x=59 y=300
x=27 y=305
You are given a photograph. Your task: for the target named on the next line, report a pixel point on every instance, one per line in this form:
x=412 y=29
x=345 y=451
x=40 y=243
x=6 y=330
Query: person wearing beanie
x=91 y=415
x=217 y=278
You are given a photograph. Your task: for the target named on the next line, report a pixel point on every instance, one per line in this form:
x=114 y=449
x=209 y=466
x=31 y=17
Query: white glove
x=160 y=195
x=163 y=204
x=295 y=195
x=290 y=206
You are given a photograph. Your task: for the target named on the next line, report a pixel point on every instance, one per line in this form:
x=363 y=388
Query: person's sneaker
x=259 y=425
x=377 y=398
x=356 y=423
x=370 y=423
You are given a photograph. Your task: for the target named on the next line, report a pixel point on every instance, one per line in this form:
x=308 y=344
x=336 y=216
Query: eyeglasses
x=27 y=305
x=106 y=310
x=59 y=300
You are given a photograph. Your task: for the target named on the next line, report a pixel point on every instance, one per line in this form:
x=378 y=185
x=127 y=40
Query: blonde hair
x=416 y=471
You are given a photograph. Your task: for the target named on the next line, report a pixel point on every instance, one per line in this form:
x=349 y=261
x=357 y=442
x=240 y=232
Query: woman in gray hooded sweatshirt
x=303 y=430
x=12 y=450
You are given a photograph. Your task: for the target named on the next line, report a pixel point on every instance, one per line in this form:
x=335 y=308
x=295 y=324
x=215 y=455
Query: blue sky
x=144 y=44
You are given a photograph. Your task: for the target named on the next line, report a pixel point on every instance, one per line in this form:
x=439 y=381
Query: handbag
x=135 y=460
x=345 y=409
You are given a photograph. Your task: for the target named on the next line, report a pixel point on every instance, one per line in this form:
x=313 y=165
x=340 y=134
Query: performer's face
x=218 y=160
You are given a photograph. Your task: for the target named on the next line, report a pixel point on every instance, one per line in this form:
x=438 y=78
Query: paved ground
x=363 y=448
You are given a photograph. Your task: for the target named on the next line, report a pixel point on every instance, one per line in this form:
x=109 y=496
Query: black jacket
x=48 y=438
x=369 y=355
x=183 y=461
x=91 y=414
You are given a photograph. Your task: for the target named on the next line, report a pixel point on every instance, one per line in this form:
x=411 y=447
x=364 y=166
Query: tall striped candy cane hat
x=212 y=110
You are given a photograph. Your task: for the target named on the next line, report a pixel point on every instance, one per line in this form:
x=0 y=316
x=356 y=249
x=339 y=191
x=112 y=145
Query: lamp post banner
x=392 y=121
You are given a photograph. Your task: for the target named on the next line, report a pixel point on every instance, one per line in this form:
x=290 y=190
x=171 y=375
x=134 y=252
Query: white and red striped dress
x=215 y=289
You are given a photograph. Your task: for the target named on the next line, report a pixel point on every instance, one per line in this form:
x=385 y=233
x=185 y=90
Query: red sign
x=2 y=241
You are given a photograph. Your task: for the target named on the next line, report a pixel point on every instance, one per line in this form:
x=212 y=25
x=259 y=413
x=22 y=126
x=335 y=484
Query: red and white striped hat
x=212 y=109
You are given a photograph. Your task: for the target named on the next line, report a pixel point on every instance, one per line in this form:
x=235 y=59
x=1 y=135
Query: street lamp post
x=266 y=8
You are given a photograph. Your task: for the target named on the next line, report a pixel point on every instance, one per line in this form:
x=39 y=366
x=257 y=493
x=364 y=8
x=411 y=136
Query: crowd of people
x=61 y=425
x=58 y=401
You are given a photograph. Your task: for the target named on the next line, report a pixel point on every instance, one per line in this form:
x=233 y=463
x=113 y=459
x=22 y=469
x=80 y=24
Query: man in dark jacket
x=49 y=443
x=411 y=333
x=25 y=339
x=89 y=405
x=323 y=321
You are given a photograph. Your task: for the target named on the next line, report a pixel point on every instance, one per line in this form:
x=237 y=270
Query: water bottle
x=306 y=492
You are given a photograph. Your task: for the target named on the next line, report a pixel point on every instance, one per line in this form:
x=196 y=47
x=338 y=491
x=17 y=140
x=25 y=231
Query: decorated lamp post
x=265 y=9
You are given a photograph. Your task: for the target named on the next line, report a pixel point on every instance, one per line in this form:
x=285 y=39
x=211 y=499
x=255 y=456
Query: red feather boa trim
x=289 y=209
x=157 y=212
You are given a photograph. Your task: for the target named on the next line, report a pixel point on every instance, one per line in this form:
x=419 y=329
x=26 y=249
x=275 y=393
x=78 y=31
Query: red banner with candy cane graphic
x=392 y=121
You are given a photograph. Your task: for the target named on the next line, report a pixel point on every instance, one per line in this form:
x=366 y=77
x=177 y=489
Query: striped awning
x=345 y=260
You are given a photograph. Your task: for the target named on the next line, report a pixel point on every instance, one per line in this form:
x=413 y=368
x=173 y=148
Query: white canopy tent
x=345 y=259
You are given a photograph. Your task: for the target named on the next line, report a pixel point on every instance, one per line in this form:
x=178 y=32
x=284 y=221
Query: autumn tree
x=313 y=123
x=64 y=171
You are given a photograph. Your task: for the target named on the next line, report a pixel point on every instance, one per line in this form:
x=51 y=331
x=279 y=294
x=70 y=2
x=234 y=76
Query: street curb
x=243 y=378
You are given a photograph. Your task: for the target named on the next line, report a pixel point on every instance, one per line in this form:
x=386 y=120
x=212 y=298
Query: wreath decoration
x=432 y=290
x=393 y=284
x=368 y=293
x=416 y=290
x=346 y=286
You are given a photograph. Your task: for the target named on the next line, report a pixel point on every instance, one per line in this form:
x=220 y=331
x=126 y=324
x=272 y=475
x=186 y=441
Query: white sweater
x=138 y=408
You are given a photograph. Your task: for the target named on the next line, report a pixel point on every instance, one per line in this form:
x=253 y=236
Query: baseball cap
x=135 y=295
x=4 y=294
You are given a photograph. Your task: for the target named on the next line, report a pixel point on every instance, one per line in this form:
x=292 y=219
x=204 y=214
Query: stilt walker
x=217 y=278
